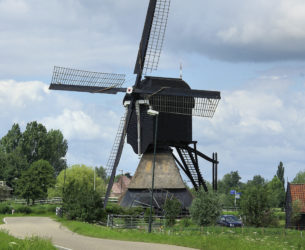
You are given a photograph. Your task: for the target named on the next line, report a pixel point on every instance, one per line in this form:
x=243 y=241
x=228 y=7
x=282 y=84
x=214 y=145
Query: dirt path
x=65 y=239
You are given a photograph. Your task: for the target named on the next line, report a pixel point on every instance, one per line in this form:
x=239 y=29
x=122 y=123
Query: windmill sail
x=152 y=36
x=86 y=81
x=116 y=153
x=157 y=34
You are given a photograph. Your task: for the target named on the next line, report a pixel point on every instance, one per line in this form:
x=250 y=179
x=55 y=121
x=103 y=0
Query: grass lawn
x=191 y=236
x=208 y=238
x=34 y=243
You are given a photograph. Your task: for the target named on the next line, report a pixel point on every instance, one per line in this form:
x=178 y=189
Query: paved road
x=61 y=236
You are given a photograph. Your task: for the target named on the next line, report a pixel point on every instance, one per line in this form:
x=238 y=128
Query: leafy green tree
x=280 y=173
x=80 y=202
x=15 y=164
x=205 y=208
x=101 y=172
x=11 y=140
x=228 y=182
x=34 y=142
x=38 y=144
x=2 y=164
x=80 y=174
x=57 y=149
x=257 y=181
x=172 y=208
x=18 y=150
x=255 y=206
x=35 y=181
x=299 y=178
x=277 y=192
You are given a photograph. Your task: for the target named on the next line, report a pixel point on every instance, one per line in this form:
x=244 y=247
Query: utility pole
x=155 y=114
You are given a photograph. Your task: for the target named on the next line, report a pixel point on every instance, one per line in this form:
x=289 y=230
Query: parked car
x=229 y=221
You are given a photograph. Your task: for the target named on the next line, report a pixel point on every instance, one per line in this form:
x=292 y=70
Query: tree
x=280 y=173
x=229 y=181
x=2 y=164
x=172 y=209
x=257 y=181
x=15 y=164
x=57 y=149
x=299 y=178
x=277 y=192
x=82 y=175
x=80 y=202
x=255 y=206
x=34 y=142
x=205 y=208
x=35 y=181
x=101 y=172
x=18 y=150
x=11 y=140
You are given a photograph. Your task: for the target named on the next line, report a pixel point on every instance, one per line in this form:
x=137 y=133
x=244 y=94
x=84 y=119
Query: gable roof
x=120 y=186
x=297 y=192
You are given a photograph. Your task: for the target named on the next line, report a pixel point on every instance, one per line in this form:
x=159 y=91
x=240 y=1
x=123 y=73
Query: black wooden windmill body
x=176 y=103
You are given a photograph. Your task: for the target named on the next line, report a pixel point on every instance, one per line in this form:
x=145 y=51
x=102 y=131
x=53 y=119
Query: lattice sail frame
x=184 y=105
x=156 y=38
x=75 y=77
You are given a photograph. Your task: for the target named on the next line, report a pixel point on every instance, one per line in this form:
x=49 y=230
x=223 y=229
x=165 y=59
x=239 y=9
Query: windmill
x=175 y=102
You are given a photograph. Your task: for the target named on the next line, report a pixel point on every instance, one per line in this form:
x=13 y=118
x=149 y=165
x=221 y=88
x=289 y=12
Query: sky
x=251 y=51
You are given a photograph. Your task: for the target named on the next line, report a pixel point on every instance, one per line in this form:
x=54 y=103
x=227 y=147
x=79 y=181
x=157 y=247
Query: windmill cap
x=151 y=83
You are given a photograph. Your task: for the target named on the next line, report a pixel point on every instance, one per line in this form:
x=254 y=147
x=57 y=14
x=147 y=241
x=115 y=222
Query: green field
x=34 y=243
x=206 y=238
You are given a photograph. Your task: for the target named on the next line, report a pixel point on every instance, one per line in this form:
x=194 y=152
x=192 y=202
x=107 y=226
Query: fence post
x=108 y=220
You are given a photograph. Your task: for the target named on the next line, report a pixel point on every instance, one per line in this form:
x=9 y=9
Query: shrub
x=147 y=214
x=113 y=208
x=82 y=203
x=5 y=208
x=296 y=211
x=185 y=222
x=23 y=210
x=134 y=211
x=205 y=208
x=51 y=208
x=256 y=208
x=172 y=209
x=39 y=209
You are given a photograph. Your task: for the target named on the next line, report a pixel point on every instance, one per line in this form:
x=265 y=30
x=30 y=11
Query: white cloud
x=74 y=124
x=20 y=94
x=255 y=128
